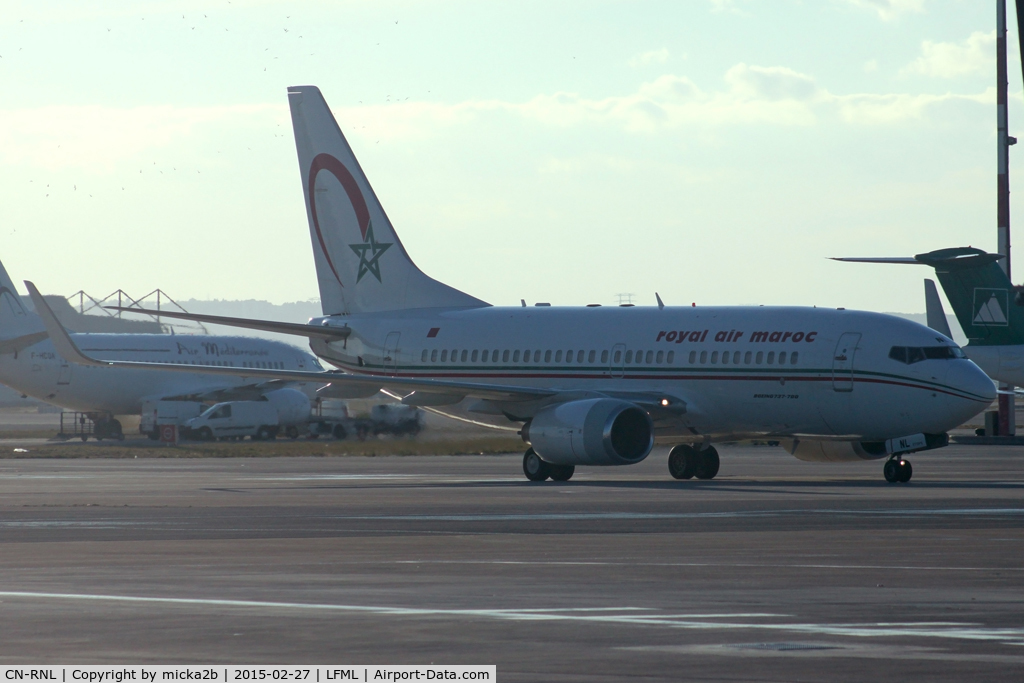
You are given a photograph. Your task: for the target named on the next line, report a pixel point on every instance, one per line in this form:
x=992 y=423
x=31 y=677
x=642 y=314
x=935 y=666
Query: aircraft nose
x=969 y=379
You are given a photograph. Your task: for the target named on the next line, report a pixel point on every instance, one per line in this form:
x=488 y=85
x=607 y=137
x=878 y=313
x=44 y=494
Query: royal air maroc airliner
x=30 y=364
x=599 y=385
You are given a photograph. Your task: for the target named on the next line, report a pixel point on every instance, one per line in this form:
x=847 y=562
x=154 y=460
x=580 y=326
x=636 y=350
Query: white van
x=235 y=420
x=261 y=420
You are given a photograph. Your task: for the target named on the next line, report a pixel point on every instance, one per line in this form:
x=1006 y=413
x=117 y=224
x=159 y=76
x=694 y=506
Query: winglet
x=933 y=307
x=58 y=335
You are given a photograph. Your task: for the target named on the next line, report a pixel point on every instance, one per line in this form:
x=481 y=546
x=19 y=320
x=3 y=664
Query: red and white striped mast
x=1007 y=414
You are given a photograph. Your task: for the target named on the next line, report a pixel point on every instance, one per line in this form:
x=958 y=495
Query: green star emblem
x=369 y=252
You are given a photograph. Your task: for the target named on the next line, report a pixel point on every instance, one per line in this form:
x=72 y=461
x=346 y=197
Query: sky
x=714 y=151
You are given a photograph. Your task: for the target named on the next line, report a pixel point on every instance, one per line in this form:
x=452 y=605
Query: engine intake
x=599 y=431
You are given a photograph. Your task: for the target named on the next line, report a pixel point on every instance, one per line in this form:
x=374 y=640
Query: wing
x=313 y=331
x=453 y=392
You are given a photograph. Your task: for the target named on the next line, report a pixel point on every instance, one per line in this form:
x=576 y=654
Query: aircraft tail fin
x=933 y=308
x=361 y=264
x=16 y=319
x=984 y=300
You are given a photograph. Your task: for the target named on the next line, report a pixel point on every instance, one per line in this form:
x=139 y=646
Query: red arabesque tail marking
x=326 y=162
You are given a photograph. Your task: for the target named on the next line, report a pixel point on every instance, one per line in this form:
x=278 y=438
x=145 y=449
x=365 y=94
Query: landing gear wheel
x=898 y=471
x=906 y=471
x=534 y=468
x=707 y=463
x=681 y=462
x=562 y=472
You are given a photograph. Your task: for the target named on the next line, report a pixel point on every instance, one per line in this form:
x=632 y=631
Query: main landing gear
x=686 y=462
x=897 y=470
x=536 y=469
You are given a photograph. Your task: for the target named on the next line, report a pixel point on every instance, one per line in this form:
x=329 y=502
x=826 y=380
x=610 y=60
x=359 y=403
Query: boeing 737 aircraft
x=29 y=363
x=985 y=303
x=600 y=385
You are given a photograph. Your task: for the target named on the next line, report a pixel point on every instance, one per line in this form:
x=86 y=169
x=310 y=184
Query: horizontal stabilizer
x=298 y=329
x=880 y=259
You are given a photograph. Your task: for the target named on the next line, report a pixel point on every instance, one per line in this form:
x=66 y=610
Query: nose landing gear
x=686 y=462
x=897 y=470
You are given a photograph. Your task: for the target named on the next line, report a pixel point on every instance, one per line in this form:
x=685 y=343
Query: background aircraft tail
x=19 y=325
x=981 y=295
x=984 y=300
x=361 y=264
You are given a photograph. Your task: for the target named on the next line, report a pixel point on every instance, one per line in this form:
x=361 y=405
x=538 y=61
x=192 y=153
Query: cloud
x=649 y=57
x=889 y=10
x=99 y=137
x=771 y=83
x=976 y=54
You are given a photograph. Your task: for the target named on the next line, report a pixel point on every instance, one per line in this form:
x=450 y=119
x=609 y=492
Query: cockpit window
x=916 y=354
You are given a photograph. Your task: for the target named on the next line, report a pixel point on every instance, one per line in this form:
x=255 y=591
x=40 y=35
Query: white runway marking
x=628 y=616
x=602 y=563
x=603 y=516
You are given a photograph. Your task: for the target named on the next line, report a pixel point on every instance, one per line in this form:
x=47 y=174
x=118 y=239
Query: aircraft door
x=617 y=362
x=842 y=361
x=391 y=351
x=64 y=374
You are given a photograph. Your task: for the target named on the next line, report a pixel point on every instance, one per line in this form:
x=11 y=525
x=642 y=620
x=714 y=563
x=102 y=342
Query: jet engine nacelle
x=599 y=431
x=835 y=451
x=291 y=404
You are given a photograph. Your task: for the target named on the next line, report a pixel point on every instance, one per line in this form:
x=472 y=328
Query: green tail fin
x=982 y=297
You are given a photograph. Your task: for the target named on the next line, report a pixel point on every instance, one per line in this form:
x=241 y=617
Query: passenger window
x=558 y=356
x=759 y=357
x=464 y=354
x=714 y=357
x=671 y=357
x=793 y=357
x=547 y=356
x=693 y=357
x=617 y=357
x=475 y=353
x=650 y=357
x=526 y=356
x=591 y=357
x=703 y=357
x=579 y=356
x=568 y=356
x=782 y=358
x=604 y=356
x=515 y=357
x=629 y=357
x=455 y=355
x=736 y=358
x=746 y=358
x=771 y=357
x=660 y=357
x=433 y=356
x=504 y=356
x=725 y=358
x=536 y=356
x=483 y=356
x=444 y=355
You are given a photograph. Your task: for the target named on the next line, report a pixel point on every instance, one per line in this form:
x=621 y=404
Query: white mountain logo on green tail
x=990 y=307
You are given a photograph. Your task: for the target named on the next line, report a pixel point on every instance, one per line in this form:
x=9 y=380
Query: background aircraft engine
x=600 y=431
x=835 y=451
x=292 y=405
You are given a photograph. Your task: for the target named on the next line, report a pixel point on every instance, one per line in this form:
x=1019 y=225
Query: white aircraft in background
x=29 y=364
x=600 y=385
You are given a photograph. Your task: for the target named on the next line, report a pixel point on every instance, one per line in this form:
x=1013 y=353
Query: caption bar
x=237 y=674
